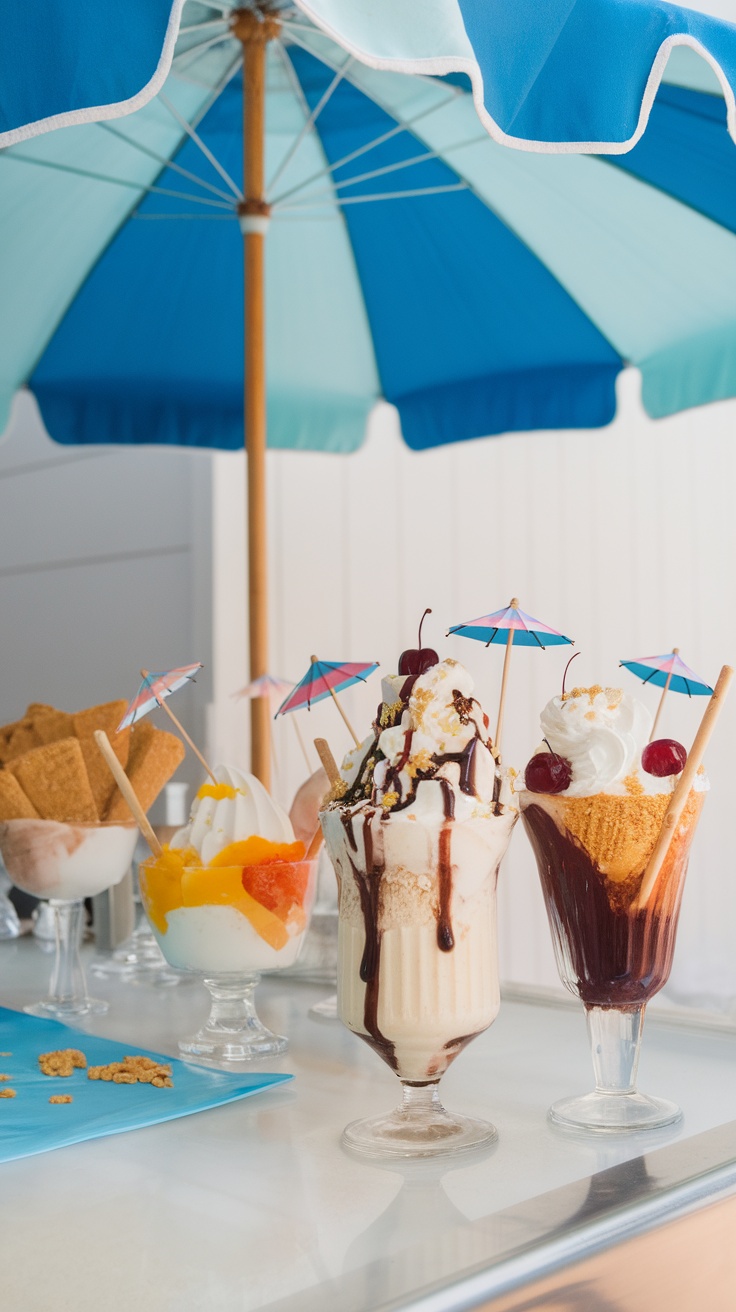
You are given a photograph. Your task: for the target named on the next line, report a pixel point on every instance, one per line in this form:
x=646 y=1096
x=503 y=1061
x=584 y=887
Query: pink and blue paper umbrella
x=514 y=628
x=495 y=628
x=267 y=685
x=327 y=679
x=157 y=685
x=667 y=672
x=324 y=679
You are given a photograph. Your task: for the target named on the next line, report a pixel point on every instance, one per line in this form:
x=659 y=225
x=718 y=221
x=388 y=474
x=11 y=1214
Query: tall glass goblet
x=66 y=863
x=417 y=974
x=205 y=921
x=612 y=951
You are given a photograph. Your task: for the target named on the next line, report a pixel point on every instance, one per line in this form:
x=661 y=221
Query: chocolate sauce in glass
x=609 y=957
x=368 y=882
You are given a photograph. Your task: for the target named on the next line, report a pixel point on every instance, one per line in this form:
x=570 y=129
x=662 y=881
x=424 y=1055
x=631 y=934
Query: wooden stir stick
x=163 y=704
x=504 y=678
x=126 y=788
x=680 y=795
x=333 y=774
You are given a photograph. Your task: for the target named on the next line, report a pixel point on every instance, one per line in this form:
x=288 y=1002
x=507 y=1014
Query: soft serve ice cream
x=595 y=797
x=421 y=823
x=233 y=891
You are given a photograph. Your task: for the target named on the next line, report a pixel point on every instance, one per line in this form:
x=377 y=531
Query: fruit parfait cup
x=594 y=802
x=231 y=911
x=66 y=863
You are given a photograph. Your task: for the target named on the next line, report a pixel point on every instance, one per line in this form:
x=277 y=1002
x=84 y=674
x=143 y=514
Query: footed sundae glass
x=613 y=926
x=416 y=832
x=66 y=863
x=207 y=922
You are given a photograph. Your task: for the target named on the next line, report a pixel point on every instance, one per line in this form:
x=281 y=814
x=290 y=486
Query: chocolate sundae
x=594 y=801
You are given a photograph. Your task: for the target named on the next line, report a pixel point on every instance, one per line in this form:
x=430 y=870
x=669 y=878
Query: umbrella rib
x=310 y=122
x=216 y=90
x=200 y=27
x=162 y=159
x=195 y=137
x=383 y=195
x=401 y=126
x=217 y=218
x=118 y=182
x=189 y=56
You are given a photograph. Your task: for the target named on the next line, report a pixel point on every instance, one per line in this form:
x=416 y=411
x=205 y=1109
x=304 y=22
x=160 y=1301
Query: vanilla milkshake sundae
x=416 y=832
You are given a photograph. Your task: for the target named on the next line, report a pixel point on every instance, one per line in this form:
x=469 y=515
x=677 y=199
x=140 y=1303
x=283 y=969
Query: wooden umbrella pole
x=665 y=690
x=254 y=28
x=504 y=678
x=333 y=695
x=181 y=730
x=129 y=793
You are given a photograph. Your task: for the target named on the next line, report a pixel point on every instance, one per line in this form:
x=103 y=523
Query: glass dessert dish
x=230 y=899
x=593 y=833
x=66 y=863
x=416 y=833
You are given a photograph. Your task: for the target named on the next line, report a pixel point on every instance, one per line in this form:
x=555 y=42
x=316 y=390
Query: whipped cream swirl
x=601 y=732
x=244 y=810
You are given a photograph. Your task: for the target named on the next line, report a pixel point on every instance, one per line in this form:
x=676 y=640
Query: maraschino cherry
x=416 y=660
x=548 y=773
x=662 y=757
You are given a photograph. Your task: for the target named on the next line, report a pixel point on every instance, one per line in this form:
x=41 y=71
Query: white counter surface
x=255 y=1205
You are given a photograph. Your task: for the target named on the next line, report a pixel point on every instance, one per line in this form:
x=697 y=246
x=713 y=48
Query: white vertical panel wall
x=624 y=538
x=99 y=574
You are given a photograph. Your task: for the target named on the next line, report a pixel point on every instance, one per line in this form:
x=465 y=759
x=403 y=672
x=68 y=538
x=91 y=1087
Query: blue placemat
x=30 y=1124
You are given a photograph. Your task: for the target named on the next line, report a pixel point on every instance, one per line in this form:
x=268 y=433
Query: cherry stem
x=569 y=663
x=544 y=740
x=428 y=611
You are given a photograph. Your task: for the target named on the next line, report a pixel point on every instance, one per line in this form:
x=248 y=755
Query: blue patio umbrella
x=409 y=256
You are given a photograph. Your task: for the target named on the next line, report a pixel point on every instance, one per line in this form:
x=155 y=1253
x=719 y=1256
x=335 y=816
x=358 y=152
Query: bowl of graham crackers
x=66 y=831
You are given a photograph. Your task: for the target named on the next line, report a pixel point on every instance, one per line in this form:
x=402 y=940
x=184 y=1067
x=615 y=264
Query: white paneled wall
x=624 y=538
x=98 y=571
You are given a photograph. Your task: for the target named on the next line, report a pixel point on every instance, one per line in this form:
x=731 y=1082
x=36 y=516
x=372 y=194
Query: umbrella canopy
x=154 y=688
x=543 y=77
x=324 y=679
x=668 y=671
x=267 y=685
x=527 y=632
x=566 y=268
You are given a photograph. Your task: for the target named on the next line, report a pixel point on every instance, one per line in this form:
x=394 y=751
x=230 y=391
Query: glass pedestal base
x=326 y=1009
x=420 y=1127
x=614 y=1113
x=75 y=1009
x=233 y=1034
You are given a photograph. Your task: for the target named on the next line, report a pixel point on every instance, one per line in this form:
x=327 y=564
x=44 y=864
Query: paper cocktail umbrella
x=271 y=687
x=326 y=679
x=669 y=673
x=155 y=688
x=512 y=627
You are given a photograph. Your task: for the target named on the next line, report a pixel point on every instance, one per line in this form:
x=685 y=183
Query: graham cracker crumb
x=9 y=1054
x=7 y=1093
x=420 y=761
x=633 y=785
x=389 y=713
x=63 y=1062
x=134 y=1070
x=338 y=790
x=388 y=800
x=5 y=1077
x=61 y=1097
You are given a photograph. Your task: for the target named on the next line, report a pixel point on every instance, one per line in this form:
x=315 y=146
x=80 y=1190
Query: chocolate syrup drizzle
x=368 y=881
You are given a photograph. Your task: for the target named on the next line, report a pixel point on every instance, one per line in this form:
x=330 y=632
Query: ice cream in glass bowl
x=230 y=898
x=416 y=830
x=595 y=798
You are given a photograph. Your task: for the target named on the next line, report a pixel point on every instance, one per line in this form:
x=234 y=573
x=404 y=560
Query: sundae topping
x=600 y=731
x=547 y=773
x=237 y=807
x=416 y=660
x=663 y=757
